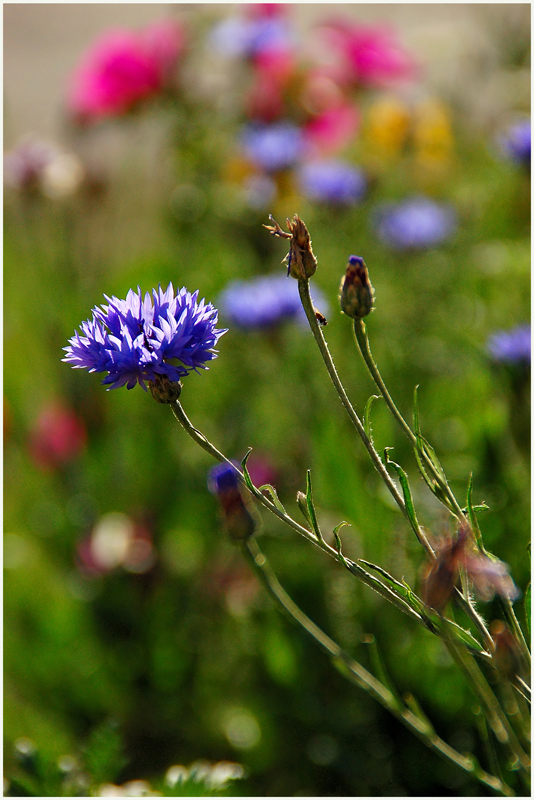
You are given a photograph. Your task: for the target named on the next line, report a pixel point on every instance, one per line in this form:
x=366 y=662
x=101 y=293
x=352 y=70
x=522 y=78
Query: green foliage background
x=172 y=656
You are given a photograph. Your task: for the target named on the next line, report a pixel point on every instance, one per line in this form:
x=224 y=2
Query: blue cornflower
x=332 y=181
x=264 y=301
x=513 y=346
x=516 y=142
x=137 y=339
x=272 y=147
x=415 y=223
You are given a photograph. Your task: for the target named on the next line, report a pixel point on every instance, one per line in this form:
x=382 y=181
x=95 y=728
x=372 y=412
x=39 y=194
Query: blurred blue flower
x=272 y=147
x=415 y=223
x=241 y=37
x=265 y=301
x=332 y=181
x=223 y=478
x=136 y=339
x=516 y=142
x=513 y=346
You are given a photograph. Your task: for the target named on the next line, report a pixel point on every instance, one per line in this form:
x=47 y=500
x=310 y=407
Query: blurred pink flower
x=122 y=68
x=273 y=70
x=372 y=54
x=331 y=130
x=58 y=437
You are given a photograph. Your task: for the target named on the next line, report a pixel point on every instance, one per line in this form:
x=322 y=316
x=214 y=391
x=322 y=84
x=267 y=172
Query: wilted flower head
x=511 y=347
x=137 y=339
x=272 y=147
x=122 y=68
x=332 y=181
x=372 y=55
x=58 y=437
x=416 y=223
x=301 y=262
x=516 y=142
x=488 y=575
x=264 y=301
x=225 y=483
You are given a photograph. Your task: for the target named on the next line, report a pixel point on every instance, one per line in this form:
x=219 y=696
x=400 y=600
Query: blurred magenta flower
x=516 y=142
x=332 y=181
x=415 y=223
x=122 y=68
x=58 y=437
x=135 y=340
x=371 y=55
x=513 y=346
x=265 y=301
x=273 y=70
x=332 y=129
x=272 y=147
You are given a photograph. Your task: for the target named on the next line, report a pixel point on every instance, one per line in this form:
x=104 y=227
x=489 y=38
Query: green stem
x=364 y=679
x=362 y=339
x=307 y=304
x=355 y=569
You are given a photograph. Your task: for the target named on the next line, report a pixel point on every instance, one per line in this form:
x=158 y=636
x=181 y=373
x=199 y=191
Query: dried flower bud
x=224 y=482
x=164 y=390
x=301 y=262
x=356 y=293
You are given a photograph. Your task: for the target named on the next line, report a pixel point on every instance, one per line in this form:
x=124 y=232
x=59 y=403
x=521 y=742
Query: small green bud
x=301 y=262
x=164 y=390
x=356 y=293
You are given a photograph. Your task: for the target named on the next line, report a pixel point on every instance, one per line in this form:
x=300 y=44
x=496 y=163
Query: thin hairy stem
x=355 y=672
x=307 y=304
x=360 y=332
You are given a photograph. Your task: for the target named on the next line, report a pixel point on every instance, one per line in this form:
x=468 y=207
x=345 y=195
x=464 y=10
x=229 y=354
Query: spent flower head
x=238 y=515
x=301 y=262
x=146 y=338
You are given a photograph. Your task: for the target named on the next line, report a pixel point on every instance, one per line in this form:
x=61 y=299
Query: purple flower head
x=265 y=301
x=25 y=165
x=272 y=147
x=332 y=181
x=136 y=339
x=513 y=346
x=416 y=223
x=247 y=38
x=516 y=142
x=223 y=478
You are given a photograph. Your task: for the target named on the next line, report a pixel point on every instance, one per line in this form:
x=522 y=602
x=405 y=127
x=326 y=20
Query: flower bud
x=164 y=390
x=356 y=293
x=224 y=482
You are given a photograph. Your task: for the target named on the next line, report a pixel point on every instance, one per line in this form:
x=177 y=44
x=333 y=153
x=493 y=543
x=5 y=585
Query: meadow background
x=135 y=637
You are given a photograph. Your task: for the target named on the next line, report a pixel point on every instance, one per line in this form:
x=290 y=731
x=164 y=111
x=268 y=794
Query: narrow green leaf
x=408 y=499
x=472 y=513
x=271 y=491
x=416 y=427
x=367 y=415
x=401 y=589
x=246 y=475
x=311 y=508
